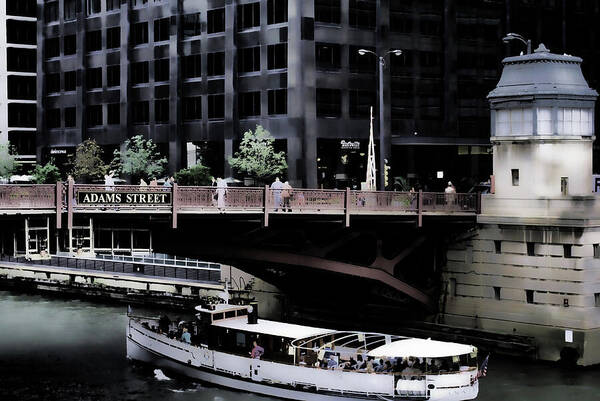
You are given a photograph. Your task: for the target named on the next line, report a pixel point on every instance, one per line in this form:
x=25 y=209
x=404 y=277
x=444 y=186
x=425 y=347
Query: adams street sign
x=124 y=198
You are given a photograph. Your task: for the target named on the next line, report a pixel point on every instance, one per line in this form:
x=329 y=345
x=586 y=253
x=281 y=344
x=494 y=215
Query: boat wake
x=160 y=376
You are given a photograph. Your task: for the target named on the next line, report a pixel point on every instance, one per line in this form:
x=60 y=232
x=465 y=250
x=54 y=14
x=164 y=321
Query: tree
x=140 y=159
x=88 y=165
x=8 y=163
x=198 y=175
x=46 y=174
x=257 y=158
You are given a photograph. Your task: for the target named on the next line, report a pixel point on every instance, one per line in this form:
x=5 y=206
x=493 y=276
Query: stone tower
x=533 y=266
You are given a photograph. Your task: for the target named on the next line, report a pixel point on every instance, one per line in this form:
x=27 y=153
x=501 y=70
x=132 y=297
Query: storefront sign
x=58 y=151
x=354 y=145
x=124 y=198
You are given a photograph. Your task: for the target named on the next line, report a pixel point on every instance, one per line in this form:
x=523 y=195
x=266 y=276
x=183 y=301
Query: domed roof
x=541 y=73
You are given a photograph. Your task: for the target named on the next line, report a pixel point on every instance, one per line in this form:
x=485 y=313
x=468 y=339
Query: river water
x=56 y=349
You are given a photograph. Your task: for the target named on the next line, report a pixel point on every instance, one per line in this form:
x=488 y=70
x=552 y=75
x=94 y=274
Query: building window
x=139 y=72
x=94 y=78
x=497 y=293
x=94 y=115
x=596 y=251
x=277 y=11
x=53 y=118
x=216 y=106
x=25 y=8
x=139 y=33
x=529 y=296
x=23 y=88
x=161 y=70
x=192 y=66
x=531 y=249
x=70 y=117
x=328 y=11
x=498 y=246
x=113 y=113
x=249 y=59
x=21 y=32
x=161 y=111
x=21 y=60
x=564 y=185
x=364 y=64
x=277 y=101
x=53 y=83
x=113 y=37
x=575 y=121
x=69 y=45
x=514 y=122
x=249 y=104
x=361 y=103
x=93 y=41
x=113 y=75
x=50 y=11
x=140 y=112
x=191 y=25
x=22 y=115
x=92 y=7
x=248 y=16
x=363 y=14
x=52 y=47
x=277 y=56
x=544 y=121
x=328 y=56
x=515 y=177
x=597 y=299
x=161 y=29
x=192 y=108
x=216 y=64
x=567 y=248
x=70 y=81
x=139 y=3
x=400 y=18
x=215 y=20
x=70 y=10
x=112 y=5
x=329 y=102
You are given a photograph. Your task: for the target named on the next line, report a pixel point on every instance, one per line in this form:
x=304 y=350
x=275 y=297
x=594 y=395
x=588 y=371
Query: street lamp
x=382 y=142
x=516 y=36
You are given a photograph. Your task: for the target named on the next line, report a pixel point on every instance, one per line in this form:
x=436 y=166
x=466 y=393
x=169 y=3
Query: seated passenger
x=186 y=337
x=257 y=351
x=163 y=323
x=332 y=363
x=387 y=367
x=380 y=366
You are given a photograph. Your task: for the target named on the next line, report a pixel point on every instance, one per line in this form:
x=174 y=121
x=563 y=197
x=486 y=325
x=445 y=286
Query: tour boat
x=303 y=363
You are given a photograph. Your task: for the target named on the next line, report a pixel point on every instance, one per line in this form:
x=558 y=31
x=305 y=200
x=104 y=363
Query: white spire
x=371 y=170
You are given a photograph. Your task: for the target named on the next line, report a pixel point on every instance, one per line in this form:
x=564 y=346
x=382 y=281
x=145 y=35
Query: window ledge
x=249 y=74
x=252 y=29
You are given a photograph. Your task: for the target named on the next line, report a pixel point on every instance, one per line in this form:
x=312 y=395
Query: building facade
x=18 y=65
x=193 y=75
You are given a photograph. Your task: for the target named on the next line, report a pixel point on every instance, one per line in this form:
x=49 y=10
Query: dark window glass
x=430 y=59
x=140 y=112
x=328 y=11
x=277 y=11
x=248 y=15
x=21 y=32
x=92 y=7
x=139 y=72
x=191 y=25
x=53 y=83
x=161 y=70
x=249 y=104
x=70 y=44
x=22 y=115
x=52 y=47
x=53 y=118
x=277 y=56
x=192 y=66
x=366 y=63
x=215 y=20
x=328 y=56
x=113 y=37
x=139 y=3
x=192 y=108
x=70 y=117
x=277 y=101
x=216 y=106
x=22 y=87
x=70 y=81
x=21 y=60
x=94 y=78
x=112 y=5
x=329 y=102
x=400 y=18
x=249 y=59
x=113 y=113
x=361 y=103
x=113 y=75
x=94 y=115
x=161 y=29
x=363 y=13
x=50 y=11
x=23 y=141
x=70 y=9
x=139 y=33
x=431 y=27
x=161 y=111
x=24 y=8
x=216 y=63
x=93 y=41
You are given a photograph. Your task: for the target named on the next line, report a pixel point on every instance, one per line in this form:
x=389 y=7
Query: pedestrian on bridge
x=286 y=194
x=221 y=192
x=276 y=188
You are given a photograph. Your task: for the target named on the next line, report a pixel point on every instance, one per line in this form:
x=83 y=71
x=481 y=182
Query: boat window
x=229 y=314
x=242 y=312
x=217 y=316
x=240 y=339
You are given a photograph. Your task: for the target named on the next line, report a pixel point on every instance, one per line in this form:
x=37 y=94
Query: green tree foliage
x=8 y=163
x=140 y=159
x=46 y=174
x=257 y=158
x=88 y=165
x=198 y=175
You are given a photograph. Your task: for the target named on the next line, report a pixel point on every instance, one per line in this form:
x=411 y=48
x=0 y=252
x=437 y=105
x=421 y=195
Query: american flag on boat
x=483 y=369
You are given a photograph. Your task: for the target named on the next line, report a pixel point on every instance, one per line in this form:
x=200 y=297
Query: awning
x=420 y=348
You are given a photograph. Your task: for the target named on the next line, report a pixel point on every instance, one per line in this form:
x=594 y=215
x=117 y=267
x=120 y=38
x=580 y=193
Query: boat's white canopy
x=271 y=327
x=419 y=348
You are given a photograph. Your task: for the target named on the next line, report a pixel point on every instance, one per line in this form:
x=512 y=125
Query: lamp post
x=515 y=36
x=382 y=142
